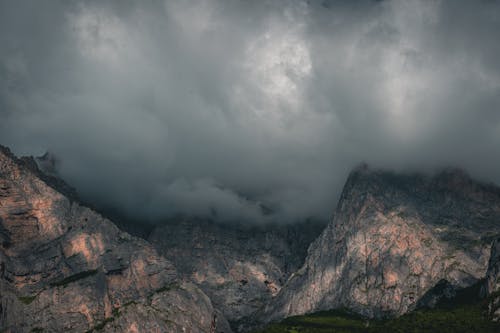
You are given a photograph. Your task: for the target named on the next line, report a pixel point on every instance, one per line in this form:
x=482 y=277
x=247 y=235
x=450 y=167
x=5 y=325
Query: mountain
x=241 y=268
x=392 y=239
x=63 y=267
x=397 y=242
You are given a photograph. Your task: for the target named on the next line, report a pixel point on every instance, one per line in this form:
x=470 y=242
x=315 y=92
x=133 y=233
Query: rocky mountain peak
x=393 y=238
x=37 y=168
x=63 y=267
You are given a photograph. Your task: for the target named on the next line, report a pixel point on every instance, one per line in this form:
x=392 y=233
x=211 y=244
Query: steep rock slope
x=239 y=267
x=492 y=283
x=63 y=267
x=392 y=238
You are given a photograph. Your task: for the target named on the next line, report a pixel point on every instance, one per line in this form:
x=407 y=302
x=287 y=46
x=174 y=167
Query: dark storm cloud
x=248 y=110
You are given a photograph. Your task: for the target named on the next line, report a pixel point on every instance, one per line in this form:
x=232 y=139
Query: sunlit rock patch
x=64 y=267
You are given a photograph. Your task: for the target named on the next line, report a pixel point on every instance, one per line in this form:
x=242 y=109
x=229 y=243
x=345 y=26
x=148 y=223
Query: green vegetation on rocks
x=445 y=319
x=27 y=299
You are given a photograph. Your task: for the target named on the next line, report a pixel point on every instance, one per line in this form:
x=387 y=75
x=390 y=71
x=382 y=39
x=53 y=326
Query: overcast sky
x=235 y=109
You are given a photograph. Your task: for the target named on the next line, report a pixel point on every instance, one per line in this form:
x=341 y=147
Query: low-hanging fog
x=248 y=110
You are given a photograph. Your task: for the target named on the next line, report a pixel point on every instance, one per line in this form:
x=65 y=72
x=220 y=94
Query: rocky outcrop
x=64 y=267
x=241 y=268
x=492 y=283
x=48 y=163
x=392 y=239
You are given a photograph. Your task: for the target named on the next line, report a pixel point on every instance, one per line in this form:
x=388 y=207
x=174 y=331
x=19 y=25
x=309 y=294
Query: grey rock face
x=394 y=237
x=240 y=268
x=492 y=283
x=63 y=267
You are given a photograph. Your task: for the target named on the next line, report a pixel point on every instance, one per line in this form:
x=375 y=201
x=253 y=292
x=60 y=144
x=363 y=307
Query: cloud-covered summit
x=248 y=110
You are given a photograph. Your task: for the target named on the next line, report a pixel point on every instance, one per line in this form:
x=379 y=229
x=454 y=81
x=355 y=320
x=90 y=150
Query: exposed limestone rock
x=393 y=238
x=492 y=284
x=240 y=268
x=63 y=267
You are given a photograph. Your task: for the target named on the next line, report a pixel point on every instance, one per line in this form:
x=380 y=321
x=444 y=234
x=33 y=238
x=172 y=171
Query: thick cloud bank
x=248 y=110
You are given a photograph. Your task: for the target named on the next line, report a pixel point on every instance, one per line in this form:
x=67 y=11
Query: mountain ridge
x=65 y=267
x=392 y=238
x=396 y=242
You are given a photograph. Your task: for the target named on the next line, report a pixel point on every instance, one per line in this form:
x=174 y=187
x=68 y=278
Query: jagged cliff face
x=240 y=268
x=393 y=238
x=63 y=267
x=492 y=283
